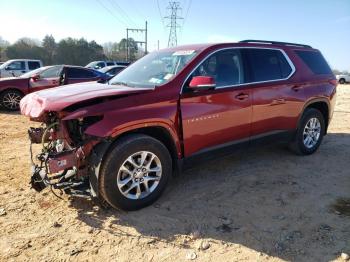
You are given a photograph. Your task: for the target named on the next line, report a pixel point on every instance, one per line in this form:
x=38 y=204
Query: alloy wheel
x=11 y=100
x=139 y=175
x=312 y=132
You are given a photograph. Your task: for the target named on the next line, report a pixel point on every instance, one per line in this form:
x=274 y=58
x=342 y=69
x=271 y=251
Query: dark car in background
x=112 y=70
x=12 y=89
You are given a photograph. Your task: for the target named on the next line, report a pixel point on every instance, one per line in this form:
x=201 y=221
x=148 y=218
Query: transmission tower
x=174 y=8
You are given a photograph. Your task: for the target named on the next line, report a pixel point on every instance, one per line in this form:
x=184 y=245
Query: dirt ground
x=261 y=205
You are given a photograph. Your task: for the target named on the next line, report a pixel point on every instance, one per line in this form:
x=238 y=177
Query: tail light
x=333 y=82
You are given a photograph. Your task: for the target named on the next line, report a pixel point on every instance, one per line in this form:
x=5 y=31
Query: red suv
x=121 y=141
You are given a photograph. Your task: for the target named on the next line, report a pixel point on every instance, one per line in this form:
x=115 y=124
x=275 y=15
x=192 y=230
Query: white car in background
x=101 y=64
x=342 y=79
x=17 y=67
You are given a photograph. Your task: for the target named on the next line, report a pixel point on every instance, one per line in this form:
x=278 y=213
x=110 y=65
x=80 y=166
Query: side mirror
x=202 y=82
x=7 y=68
x=35 y=78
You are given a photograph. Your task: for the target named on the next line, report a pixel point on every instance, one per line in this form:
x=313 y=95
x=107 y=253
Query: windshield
x=3 y=65
x=34 y=72
x=154 y=69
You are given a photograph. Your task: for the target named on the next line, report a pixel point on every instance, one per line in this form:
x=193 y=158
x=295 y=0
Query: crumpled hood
x=55 y=99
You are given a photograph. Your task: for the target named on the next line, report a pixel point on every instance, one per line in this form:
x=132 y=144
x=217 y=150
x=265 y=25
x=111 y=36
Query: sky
x=323 y=24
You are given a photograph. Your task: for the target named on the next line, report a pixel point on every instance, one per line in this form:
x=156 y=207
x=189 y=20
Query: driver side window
x=17 y=65
x=51 y=72
x=224 y=66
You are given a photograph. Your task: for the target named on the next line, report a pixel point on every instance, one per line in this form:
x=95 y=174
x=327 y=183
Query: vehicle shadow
x=3 y=111
x=266 y=199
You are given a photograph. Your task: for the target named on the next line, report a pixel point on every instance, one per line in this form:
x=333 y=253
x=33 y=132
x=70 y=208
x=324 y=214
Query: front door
x=213 y=118
x=46 y=79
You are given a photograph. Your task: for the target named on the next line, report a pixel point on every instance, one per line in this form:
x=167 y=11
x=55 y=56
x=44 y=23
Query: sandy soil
x=263 y=205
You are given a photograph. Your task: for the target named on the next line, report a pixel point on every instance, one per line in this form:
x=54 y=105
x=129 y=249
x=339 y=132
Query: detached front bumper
x=58 y=165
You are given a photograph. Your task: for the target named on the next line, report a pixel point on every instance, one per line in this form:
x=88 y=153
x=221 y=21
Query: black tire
x=342 y=81
x=119 y=152
x=11 y=95
x=297 y=145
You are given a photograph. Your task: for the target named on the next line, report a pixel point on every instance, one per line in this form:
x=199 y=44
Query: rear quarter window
x=33 y=65
x=315 y=61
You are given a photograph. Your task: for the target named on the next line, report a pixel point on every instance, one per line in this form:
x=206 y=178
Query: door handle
x=242 y=96
x=278 y=101
x=296 y=88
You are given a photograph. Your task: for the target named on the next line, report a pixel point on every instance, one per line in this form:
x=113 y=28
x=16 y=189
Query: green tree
x=50 y=47
x=133 y=48
x=3 y=45
x=26 y=48
x=78 y=51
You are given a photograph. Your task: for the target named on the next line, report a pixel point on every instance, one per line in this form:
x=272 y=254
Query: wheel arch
x=322 y=105
x=10 y=89
x=99 y=152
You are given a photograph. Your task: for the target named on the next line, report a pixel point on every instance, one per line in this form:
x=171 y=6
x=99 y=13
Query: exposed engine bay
x=62 y=162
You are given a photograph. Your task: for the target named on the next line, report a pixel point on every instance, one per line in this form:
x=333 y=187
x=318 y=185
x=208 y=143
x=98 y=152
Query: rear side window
x=51 y=72
x=80 y=73
x=315 y=61
x=33 y=65
x=110 y=63
x=267 y=65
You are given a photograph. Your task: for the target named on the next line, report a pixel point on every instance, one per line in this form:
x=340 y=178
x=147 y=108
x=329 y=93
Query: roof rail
x=274 y=43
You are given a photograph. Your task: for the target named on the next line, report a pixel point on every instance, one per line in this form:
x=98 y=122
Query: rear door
x=213 y=118
x=78 y=75
x=277 y=99
x=47 y=79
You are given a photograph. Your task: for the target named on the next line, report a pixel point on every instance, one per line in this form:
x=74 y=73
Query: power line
x=174 y=7
x=122 y=12
x=187 y=11
x=112 y=14
x=160 y=13
x=141 y=13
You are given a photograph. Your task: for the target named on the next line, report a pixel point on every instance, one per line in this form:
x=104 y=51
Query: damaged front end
x=62 y=163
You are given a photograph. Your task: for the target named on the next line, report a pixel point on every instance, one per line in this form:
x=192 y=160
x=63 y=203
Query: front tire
x=310 y=132
x=135 y=172
x=10 y=99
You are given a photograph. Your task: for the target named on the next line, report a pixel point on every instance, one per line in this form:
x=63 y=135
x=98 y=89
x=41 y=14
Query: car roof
x=115 y=66
x=34 y=60
x=245 y=43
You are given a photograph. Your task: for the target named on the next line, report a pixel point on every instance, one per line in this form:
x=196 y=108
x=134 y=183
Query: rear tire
x=10 y=99
x=342 y=81
x=310 y=132
x=135 y=172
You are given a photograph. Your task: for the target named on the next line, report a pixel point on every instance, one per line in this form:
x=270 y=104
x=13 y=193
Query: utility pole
x=136 y=30
x=174 y=7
